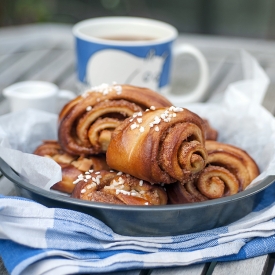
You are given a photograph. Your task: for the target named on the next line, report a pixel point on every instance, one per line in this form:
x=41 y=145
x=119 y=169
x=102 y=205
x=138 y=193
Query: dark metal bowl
x=166 y=220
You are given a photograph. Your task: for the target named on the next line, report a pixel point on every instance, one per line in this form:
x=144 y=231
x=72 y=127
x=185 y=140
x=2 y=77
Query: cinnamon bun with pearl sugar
x=71 y=166
x=160 y=145
x=117 y=188
x=87 y=122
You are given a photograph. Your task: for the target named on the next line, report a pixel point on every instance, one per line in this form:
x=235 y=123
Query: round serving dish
x=169 y=220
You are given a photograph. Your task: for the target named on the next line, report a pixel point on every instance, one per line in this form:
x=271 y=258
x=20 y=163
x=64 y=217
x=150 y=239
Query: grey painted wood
x=52 y=71
x=38 y=34
x=186 y=270
x=253 y=266
x=23 y=63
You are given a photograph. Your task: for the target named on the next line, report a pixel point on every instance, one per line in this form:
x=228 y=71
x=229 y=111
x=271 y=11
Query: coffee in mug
x=134 y=51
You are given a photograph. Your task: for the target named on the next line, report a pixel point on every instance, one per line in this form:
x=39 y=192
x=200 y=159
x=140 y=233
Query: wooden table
x=46 y=52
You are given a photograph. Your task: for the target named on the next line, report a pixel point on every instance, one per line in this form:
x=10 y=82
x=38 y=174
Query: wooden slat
x=24 y=63
x=38 y=36
x=253 y=266
x=55 y=69
x=9 y=48
x=220 y=43
x=199 y=269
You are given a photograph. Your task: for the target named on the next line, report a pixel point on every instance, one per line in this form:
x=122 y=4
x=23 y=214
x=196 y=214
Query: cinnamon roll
x=86 y=123
x=210 y=132
x=229 y=170
x=117 y=188
x=52 y=149
x=234 y=159
x=71 y=166
x=161 y=145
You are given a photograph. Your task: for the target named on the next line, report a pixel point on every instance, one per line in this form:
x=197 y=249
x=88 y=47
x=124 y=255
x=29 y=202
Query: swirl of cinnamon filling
x=87 y=122
x=117 y=188
x=234 y=159
x=229 y=170
x=161 y=145
x=71 y=166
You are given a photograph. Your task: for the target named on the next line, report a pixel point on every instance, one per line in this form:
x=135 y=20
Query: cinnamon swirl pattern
x=71 y=166
x=161 y=145
x=86 y=123
x=117 y=188
x=229 y=170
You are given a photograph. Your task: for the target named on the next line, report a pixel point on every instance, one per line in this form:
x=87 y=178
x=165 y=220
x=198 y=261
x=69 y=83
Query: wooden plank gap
x=211 y=267
x=271 y=264
x=145 y=272
x=3 y=270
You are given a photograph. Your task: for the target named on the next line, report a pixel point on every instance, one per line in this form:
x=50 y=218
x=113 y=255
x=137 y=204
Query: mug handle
x=199 y=91
x=64 y=96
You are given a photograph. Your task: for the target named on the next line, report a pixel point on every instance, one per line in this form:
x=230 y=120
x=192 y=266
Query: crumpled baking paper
x=239 y=118
x=20 y=133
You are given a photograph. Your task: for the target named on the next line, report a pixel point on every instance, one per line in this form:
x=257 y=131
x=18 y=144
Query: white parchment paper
x=239 y=118
x=20 y=134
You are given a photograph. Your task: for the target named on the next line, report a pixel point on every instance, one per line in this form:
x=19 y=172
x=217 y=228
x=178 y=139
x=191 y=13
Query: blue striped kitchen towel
x=37 y=240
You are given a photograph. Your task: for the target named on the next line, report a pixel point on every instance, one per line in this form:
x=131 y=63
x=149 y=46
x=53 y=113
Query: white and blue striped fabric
x=37 y=240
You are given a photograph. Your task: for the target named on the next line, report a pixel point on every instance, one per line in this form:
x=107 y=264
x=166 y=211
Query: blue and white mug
x=135 y=51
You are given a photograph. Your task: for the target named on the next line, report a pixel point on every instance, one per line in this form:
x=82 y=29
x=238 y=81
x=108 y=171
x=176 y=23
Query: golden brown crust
x=71 y=166
x=82 y=121
x=53 y=150
x=70 y=172
x=160 y=146
x=117 y=188
x=216 y=182
x=69 y=175
x=48 y=148
x=229 y=170
x=210 y=132
x=234 y=159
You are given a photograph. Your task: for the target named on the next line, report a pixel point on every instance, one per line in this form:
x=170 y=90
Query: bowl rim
x=9 y=173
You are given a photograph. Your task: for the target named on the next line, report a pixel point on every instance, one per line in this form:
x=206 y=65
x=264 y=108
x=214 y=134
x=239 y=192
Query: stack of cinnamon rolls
x=128 y=145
